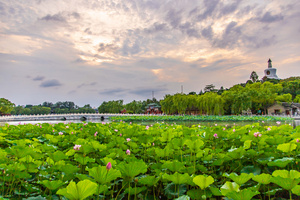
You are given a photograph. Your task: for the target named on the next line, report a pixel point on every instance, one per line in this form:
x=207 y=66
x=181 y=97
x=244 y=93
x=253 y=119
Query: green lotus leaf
x=286 y=183
x=79 y=191
x=132 y=169
x=96 y=145
x=296 y=190
x=196 y=193
x=178 y=142
x=172 y=190
x=215 y=191
x=236 y=153
x=262 y=178
x=102 y=175
x=52 y=185
x=240 y=179
x=251 y=169
x=174 y=166
x=292 y=174
x=247 y=144
x=274 y=191
x=27 y=159
x=203 y=181
x=184 y=197
x=83 y=177
x=229 y=187
x=167 y=136
x=107 y=160
x=265 y=160
x=194 y=145
x=280 y=162
x=149 y=180
x=68 y=169
x=135 y=190
x=244 y=194
x=57 y=156
x=287 y=147
x=177 y=178
x=83 y=160
x=163 y=152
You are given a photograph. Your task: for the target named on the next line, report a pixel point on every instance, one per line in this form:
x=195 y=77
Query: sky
x=90 y=51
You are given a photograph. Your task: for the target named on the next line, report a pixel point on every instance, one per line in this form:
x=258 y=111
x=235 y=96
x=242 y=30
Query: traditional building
x=270 y=72
x=284 y=108
x=153 y=108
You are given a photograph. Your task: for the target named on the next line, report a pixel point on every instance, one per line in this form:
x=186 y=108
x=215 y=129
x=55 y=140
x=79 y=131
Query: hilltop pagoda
x=270 y=72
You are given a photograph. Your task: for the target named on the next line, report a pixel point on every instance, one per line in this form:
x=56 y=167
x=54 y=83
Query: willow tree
x=6 y=106
x=210 y=103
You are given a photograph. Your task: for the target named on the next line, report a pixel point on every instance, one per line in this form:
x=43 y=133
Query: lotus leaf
x=196 y=193
x=79 y=191
x=296 y=190
x=203 y=181
x=177 y=178
x=149 y=180
x=184 y=197
x=57 y=156
x=194 y=145
x=102 y=175
x=240 y=179
x=229 y=187
x=172 y=190
x=135 y=190
x=244 y=194
x=132 y=169
x=262 y=178
x=83 y=160
x=287 y=147
x=281 y=162
x=174 y=166
x=52 y=185
x=286 y=183
x=247 y=144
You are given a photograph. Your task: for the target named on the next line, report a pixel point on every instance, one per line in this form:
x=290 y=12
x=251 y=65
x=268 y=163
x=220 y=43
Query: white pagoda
x=271 y=72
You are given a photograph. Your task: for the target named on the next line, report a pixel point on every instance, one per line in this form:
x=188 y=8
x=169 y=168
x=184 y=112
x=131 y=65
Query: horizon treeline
x=253 y=96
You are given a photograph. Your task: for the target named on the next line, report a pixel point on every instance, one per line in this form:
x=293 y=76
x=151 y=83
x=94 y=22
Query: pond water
x=186 y=123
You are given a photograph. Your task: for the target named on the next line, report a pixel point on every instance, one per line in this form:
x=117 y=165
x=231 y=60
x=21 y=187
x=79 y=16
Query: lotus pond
x=130 y=161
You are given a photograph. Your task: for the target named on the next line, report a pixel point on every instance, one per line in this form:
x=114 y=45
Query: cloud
x=148 y=91
x=50 y=83
x=86 y=84
x=56 y=17
x=269 y=18
x=114 y=92
x=38 y=78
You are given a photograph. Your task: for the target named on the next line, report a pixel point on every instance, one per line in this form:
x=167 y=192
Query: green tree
x=134 y=107
x=284 y=98
x=6 y=106
x=253 y=77
x=297 y=99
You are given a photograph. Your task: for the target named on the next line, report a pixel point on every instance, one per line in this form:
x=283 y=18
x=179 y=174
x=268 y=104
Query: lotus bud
x=108 y=166
x=216 y=135
x=128 y=152
x=128 y=139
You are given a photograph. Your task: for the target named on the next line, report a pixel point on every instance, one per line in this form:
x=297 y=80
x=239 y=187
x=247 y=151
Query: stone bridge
x=58 y=117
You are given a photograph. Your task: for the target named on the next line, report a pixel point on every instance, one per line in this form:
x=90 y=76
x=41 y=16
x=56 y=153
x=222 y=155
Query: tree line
x=254 y=96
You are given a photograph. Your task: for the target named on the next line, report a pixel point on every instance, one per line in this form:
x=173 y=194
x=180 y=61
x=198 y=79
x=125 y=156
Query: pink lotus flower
x=216 y=135
x=77 y=147
x=60 y=133
x=297 y=140
x=108 y=166
x=259 y=135
x=269 y=129
x=147 y=127
x=262 y=121
x=255 y=134
x=153 y=144
x=278 y=122
x=223 y=129
x=96 y=134
x=128 y=152
x=233 y=130
x=53 y=131
x=120 y=134
x=67 y=126
x=128 y=139
x=116 y=130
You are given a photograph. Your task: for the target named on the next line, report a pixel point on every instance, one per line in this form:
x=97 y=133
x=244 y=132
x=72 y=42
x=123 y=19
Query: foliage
x=6 y=106
x=171 y=161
